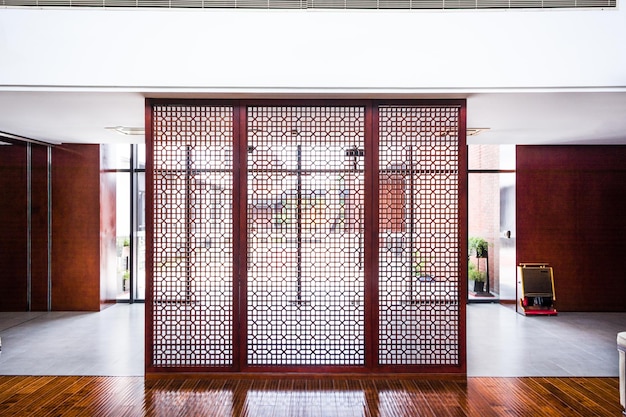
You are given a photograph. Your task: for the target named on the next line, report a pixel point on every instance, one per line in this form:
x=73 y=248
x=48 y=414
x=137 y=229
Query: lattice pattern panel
x=192 y=243
x=419 y=236
x=305 y=241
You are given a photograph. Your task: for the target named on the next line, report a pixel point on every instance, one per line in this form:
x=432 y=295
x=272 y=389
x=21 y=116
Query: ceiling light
x=125 y=130
x=475 y=131
x=470 y=131
x=4 y=143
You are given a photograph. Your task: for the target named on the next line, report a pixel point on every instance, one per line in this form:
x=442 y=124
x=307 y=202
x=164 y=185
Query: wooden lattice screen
x=306 y=236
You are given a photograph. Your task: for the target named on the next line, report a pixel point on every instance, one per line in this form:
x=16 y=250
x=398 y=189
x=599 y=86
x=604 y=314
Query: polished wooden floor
x=320 y=397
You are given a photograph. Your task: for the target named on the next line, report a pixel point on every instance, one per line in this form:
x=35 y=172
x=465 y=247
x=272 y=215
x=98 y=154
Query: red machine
x=535 y=290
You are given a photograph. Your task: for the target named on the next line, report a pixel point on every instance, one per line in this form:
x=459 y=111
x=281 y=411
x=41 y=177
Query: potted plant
x=477 y=248
x=418 y=264
x=125 y=278
x=478 y=277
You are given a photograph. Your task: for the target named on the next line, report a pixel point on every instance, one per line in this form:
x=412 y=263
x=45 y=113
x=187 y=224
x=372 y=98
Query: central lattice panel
x=419 y=235
x=305 y=274
x=192 y=298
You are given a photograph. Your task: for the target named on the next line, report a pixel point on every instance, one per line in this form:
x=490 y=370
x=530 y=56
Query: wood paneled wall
x=13 y=228
x=39 y=221
x=76 y=227
x=83 y=235
x=570 y=213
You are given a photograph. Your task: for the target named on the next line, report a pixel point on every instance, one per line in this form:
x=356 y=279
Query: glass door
x=491 y=223
x=138 y=213
x=130 y=280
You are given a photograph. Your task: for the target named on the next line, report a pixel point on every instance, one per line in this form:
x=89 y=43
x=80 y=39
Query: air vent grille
x=320 y=4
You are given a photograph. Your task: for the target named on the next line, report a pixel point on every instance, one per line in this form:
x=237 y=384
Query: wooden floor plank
x=581 y=398
x=17 y=396
x=36 y=400
x=506 y=397
x=559 y=400
x=293 y=397
x=480 y=397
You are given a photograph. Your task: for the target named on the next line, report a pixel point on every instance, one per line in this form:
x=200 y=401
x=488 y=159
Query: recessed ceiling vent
x=318 y=4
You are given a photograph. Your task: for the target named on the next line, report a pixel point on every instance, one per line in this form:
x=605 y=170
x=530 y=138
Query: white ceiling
x=512 y=117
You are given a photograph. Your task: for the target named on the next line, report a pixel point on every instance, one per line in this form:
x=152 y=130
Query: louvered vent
x=319 y=4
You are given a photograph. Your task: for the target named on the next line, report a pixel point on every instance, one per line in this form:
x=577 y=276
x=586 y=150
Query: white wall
x=246 y=50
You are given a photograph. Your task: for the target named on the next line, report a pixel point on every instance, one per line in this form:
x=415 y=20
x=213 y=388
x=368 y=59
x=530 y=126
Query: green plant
x=418 y=263
x=474 y=274
x=478 y=247
x=126 y=275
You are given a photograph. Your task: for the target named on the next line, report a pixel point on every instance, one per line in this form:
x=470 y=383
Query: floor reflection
x=188 y=398
x=296 y=396
x=304 y=397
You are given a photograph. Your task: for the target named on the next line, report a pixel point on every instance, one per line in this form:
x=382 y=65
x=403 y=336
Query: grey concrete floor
x=105 y=343
x=500 y=343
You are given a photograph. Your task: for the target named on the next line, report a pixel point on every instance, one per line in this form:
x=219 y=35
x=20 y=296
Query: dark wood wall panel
x=76 y=227
x=570 y=213
x=39 y=221
x=13 y=227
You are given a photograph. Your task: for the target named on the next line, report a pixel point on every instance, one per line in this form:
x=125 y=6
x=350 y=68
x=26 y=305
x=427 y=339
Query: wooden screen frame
x=371 y=238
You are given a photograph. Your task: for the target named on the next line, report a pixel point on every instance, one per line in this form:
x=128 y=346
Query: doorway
x=491 y=223
x=129 y=166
